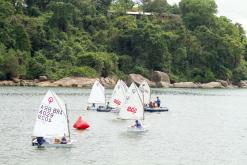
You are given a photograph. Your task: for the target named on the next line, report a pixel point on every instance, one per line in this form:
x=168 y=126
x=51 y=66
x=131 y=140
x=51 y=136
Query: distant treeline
x=91 y=38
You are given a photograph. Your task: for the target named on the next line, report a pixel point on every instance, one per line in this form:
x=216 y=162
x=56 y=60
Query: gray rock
x=243 y=84
x=224 y=83
x=159 y=76
x=138 y=79
x=43 y=78
x=212 y=85
x=185 y=85
x=16 y=80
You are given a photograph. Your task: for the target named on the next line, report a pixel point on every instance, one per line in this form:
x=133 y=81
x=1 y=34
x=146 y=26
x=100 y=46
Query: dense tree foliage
x=93 y=38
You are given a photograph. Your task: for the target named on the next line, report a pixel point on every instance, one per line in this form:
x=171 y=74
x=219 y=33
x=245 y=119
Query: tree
x=198 y=12
x=158 y=6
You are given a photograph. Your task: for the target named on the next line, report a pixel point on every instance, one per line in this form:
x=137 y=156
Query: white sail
x=97 y=94
x=124 y=85
x=51 y=118
x=118 y=95
x=145 y=92
x=133 y=107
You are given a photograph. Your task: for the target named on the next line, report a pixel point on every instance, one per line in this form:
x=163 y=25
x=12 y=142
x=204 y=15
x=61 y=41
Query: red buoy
x=80 y=124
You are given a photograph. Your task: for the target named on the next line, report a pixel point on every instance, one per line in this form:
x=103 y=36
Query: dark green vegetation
x=93 y=38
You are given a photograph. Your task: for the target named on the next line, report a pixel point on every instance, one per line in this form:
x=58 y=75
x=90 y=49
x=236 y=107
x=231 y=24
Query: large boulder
x=75 y=82
x=185 y=85
x=224 y=83
x=108 y=82
x=43 y=78
x=159 y=76
x=46 y=84
x=7 y=83
x=16 y=80
x=138 y=79
x=212 y=85
x=243 y=84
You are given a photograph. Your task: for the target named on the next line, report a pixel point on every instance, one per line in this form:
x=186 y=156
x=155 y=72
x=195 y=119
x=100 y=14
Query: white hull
x=68 y=145
x=47 y=145
x=135 y=129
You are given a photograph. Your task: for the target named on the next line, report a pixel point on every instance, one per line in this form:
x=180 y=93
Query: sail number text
x=46 y=113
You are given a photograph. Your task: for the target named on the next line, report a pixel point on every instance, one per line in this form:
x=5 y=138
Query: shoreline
x=83 y=82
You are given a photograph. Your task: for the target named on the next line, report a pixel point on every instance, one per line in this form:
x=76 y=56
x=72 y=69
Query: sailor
x=40 y=140
x=107 y=105
x=137 y=124
x=64 y=140
x=158 y=101
x=93 y=105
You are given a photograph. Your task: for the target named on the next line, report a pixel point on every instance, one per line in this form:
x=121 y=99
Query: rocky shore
x=158 y=80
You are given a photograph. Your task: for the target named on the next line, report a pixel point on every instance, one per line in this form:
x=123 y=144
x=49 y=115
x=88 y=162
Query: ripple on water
x=202 y=127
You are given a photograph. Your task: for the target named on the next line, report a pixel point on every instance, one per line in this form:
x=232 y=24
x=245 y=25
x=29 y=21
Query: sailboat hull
x=103 y=109
x=135 y=129
x=47 y=145
x=160 y=109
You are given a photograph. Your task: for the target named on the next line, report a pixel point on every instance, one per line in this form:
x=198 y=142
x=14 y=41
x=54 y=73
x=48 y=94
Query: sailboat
x=51 y=128
x=146 y=95
x=118 y=96
x=97 y=96
x=133 y=108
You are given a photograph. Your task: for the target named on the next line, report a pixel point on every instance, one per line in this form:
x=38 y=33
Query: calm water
x=203 y=127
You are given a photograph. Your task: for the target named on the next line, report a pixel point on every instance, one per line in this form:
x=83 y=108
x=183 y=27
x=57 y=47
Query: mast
x=141 y=99
x=67 y=120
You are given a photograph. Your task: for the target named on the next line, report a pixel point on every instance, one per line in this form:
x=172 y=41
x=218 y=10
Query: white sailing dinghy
x=52 y=125
x=97 y=96
x=133 y=108
x=118 y=96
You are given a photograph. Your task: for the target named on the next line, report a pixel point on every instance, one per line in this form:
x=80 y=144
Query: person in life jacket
x=158 y=101
x=64 y=140
x=40 y=141
x=107 y=105
x=137 y=124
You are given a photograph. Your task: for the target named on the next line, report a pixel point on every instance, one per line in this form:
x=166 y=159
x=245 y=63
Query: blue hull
x=161 y=109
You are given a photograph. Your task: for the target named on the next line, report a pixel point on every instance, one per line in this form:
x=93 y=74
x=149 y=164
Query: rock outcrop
x=211 y=85
x=43 y=78
x=243 y=84
x=137 y=78
x=75 y=82
x=159 y=76
x=185 y=85
x=224 y=83
x=108 y=82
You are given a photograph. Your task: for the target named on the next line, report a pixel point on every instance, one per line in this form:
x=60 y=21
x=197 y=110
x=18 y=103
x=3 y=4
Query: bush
x=141 y=70
x=84 y=71
x=104 y=63
x=240 y=73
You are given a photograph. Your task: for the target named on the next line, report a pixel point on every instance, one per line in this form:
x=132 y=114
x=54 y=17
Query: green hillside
x=92 y=38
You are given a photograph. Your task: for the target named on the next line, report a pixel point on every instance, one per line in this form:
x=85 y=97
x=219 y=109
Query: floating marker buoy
x=80 y=124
